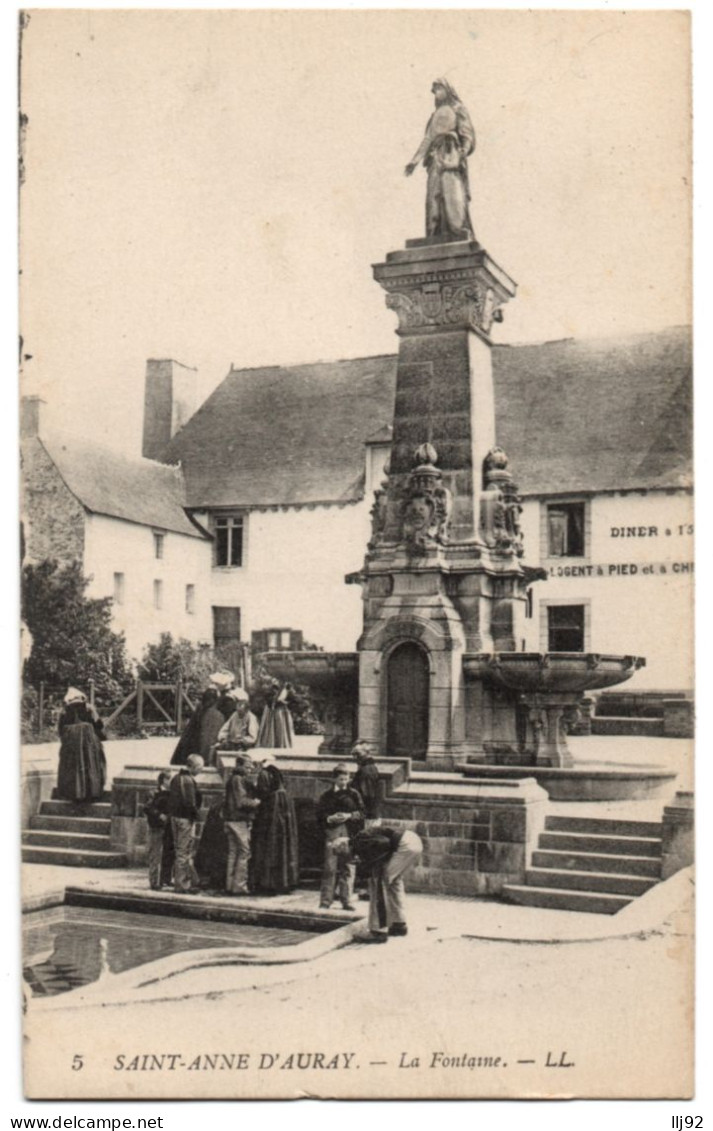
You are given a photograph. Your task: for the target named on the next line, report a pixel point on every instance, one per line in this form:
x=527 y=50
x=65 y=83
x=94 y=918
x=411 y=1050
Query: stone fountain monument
x=442 y=676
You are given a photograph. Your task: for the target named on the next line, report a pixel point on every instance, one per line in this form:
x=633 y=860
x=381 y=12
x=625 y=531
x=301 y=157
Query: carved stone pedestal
x=442 y=575
x=550 y=737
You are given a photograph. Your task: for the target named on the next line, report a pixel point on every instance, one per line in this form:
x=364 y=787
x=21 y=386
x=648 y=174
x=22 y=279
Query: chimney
x=169 y=401
x=30 y=414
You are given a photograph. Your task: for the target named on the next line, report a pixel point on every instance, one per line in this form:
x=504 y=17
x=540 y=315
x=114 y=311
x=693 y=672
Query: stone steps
x=611 y=882
x=602 y=826
x=72 y=834
x=607 y=844
x=595 y=903
x=72 y=824
x=591 y=864
x=56 y=808
x=72 y=857
x=57 y=839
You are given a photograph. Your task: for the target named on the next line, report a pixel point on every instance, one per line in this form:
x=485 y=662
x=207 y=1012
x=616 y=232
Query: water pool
x=62 y=946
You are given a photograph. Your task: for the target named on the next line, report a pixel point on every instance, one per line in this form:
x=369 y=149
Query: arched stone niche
x=442 y=644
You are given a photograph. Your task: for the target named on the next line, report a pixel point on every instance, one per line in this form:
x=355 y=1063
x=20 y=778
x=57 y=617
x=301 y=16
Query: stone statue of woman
x=447 y=143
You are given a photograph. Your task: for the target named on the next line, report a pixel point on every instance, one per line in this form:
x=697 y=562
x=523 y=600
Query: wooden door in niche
x=407 y=687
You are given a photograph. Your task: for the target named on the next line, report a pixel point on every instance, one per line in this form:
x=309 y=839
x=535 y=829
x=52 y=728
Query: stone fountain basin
x=543 y=672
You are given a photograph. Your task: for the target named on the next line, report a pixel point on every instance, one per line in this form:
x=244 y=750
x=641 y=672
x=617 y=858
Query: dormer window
x=229 y=530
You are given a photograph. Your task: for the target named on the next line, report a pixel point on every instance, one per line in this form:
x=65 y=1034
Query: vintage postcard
x=357 y=554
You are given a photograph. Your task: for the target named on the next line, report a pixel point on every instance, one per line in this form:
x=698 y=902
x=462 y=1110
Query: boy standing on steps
x=160 y=842
x=340 y=815
x=184 y=803
x=239 y=812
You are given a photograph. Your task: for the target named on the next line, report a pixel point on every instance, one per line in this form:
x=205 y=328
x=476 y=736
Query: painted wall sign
x=650 y=531
x=621 y=569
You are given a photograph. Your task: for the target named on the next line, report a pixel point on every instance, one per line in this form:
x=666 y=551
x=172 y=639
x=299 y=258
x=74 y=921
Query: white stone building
x=279 y=467
x=123 y=520
x=280 y=464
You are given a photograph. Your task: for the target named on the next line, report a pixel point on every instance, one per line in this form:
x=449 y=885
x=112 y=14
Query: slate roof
x=285 y=435
x=599 y=414
x=106 y=482
x=573 y=415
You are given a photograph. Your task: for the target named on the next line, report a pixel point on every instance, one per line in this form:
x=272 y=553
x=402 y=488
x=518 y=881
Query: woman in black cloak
x=82 y=765
x=274 y=863
x=201 y=730
x=211 y=859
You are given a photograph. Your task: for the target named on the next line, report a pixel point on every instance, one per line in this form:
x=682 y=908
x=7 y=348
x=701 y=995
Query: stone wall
x=39 y=775
x=476 y=843
x=53 y=518
x=652 y=728
x=678 y=718
x=131 y=790
x=678 y=839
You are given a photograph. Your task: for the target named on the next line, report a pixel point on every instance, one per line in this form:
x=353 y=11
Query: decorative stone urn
x=542 y=692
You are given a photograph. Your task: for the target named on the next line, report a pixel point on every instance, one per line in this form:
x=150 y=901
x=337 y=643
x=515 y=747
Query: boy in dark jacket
x=340 y=814
x=184 y=803
x=239 y=812
x=160 y=842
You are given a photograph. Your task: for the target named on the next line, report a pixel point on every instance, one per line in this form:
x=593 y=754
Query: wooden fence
x=146 y=696
x=155 y=705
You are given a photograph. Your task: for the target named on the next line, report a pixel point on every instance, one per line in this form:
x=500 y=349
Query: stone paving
x=486 y=918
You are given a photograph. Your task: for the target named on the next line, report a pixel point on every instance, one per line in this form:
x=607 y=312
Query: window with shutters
x=277 y=640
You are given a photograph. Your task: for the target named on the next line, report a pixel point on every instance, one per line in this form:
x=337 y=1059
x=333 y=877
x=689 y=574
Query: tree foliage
x=72 y=638
x=168 y=660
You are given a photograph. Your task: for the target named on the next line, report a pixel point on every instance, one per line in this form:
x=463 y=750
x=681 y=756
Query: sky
x=213 y=186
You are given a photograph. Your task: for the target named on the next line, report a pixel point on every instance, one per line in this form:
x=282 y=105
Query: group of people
x=223 y=720
x=249 y=841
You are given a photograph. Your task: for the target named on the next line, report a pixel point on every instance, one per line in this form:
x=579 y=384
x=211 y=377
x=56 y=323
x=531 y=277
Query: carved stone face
x=419 y=513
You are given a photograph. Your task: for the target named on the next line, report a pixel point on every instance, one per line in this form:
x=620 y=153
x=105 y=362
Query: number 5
x=77 y=1063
